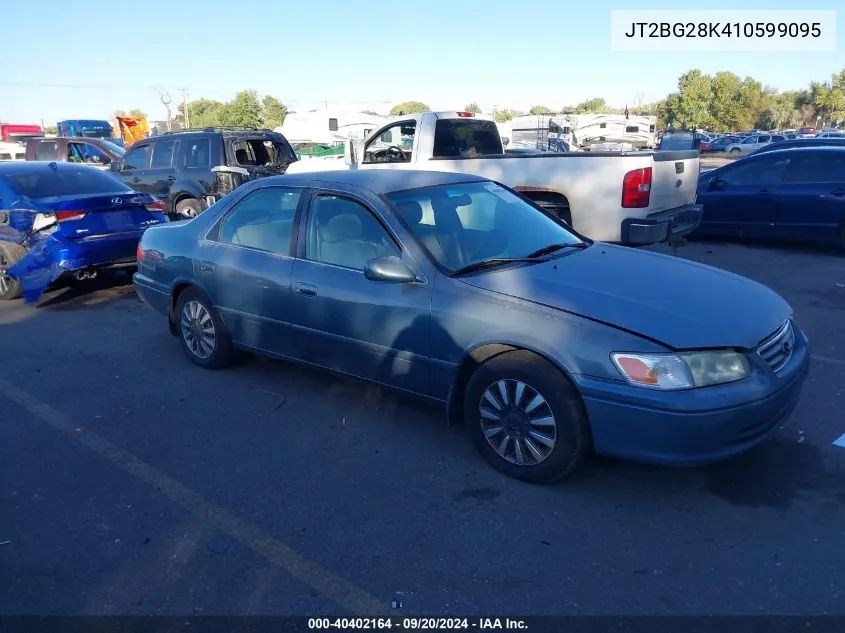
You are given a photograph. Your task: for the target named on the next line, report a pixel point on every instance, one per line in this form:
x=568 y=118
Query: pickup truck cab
x=639 y=197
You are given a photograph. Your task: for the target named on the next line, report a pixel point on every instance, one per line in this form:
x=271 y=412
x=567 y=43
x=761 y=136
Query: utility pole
x=186 y=119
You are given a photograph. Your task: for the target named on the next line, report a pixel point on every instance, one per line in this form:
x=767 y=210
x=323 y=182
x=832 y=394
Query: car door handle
x=206 y=267
x=309 y=290
x=172 y=178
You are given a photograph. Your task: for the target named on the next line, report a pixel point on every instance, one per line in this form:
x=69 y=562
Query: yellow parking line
x=328 y=584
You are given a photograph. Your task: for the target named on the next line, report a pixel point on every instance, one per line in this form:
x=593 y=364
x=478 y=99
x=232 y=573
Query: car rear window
x=48 y=182
x=454 y=138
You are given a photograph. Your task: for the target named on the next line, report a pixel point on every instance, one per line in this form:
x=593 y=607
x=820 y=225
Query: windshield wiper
x=496 y=261
x=551 y=248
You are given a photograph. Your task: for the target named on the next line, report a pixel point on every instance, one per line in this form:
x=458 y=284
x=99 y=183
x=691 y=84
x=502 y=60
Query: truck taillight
x=156 y=206
x=63 y=216
x=465 y=114
x=636 y=188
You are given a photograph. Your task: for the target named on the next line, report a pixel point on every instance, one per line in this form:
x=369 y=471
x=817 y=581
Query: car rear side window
x=47 y=150
x=263 y=220
x=162 y=154
x=198 y=153
x=136 y=158
x=47 y=182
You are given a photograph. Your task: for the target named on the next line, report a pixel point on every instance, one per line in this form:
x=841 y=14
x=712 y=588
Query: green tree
x=472 y=107
x=694 y=97
x=242 y=111
x=754 y=99
x=592 y=105
x=273 y=112
x=202 y=113
x=51 y=129
x=504 y=115
x=540 y=109
x=409 y=107
x=725 y=109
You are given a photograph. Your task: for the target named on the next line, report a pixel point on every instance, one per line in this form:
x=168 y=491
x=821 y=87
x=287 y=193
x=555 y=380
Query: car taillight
x=636 y=188
x=465 y=114
x=139 y=254
x=156 y=206
x=63 y=216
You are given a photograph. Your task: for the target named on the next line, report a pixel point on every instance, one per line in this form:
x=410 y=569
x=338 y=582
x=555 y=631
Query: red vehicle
x=805 y=132
x=704 y=146
x=12 y=133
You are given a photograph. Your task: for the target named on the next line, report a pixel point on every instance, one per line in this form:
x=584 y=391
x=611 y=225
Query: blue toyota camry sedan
x=546 y=345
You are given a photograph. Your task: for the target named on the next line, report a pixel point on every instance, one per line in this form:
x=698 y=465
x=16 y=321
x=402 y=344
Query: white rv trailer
x=327 y=126
x=584 y=131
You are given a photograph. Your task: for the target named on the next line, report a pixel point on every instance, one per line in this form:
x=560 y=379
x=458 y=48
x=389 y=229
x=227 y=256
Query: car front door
x=811 y=201
x=392 y=147
x=162 y=172
x=245 y=265
x=134 y=166
x=741 y=200
x=348 y=323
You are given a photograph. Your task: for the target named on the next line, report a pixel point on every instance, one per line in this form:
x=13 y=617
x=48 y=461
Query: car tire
x=196 y=319
x=10 y=254
x=544 y=420
x=188 y=208
x=734 y=151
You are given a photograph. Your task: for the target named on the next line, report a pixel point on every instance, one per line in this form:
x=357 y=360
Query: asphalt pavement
x=133 y=482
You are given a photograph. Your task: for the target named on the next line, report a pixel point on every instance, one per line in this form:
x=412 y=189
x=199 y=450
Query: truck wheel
x=188 y=208
x=10 y=254
x=526 y=418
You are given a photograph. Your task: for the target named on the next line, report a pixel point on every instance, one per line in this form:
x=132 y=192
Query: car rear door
x=162 y=171
x=246 y=267
x=346 y=322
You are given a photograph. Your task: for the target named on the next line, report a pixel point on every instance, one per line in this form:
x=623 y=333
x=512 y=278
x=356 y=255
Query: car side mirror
x=716 y=184
x=390 y=269
x=114 y=166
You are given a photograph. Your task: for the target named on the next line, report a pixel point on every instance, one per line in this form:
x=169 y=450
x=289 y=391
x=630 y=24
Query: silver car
x=752 y=143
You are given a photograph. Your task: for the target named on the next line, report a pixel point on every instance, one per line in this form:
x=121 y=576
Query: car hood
x=679 y=303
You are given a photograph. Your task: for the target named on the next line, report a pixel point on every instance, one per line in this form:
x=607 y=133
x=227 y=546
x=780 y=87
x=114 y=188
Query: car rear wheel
x=187 y=209
x=201 y=331
x=526 y=418
x=9 y=255
x=734 y=151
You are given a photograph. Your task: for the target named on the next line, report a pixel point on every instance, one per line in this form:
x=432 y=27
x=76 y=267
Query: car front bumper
x=664 y=226
x=695 y=426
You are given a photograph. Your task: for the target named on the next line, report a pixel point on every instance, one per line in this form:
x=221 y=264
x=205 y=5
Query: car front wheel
x=526 y=418
x=201 y=331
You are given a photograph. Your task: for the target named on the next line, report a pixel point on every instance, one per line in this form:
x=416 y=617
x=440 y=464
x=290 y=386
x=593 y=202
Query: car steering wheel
x=393 y=150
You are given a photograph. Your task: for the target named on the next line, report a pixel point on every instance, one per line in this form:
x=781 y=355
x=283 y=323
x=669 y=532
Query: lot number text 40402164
x=417 y=624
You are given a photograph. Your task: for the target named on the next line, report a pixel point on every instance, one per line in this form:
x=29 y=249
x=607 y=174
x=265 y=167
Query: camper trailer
x=328 y=127
x=600 y=129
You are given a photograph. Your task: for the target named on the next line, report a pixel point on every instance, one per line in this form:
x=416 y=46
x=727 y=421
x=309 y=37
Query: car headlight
x=681 y=370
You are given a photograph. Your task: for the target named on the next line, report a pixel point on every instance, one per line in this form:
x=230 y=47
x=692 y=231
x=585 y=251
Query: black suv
x=192 y=169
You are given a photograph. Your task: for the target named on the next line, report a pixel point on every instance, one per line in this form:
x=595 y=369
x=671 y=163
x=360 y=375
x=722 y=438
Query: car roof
x=837 y=149
x=381 y=181
x=31 y=166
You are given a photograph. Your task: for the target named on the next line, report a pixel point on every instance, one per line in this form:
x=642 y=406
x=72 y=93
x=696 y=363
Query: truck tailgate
x=674 y=180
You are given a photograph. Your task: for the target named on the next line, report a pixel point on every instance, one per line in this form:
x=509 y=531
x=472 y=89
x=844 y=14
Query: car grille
x=776 y=349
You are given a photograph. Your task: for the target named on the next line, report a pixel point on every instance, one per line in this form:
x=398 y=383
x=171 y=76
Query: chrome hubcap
x=517 y=422
x=198 y=329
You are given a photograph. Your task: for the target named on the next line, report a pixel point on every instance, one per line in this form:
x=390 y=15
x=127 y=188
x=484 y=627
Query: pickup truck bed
x=637 y=197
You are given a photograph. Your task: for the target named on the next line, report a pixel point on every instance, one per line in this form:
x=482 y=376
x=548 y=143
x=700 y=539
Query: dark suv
x=191 y=169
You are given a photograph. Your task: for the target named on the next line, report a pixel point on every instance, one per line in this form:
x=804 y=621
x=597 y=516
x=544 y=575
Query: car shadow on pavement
x=107 y=287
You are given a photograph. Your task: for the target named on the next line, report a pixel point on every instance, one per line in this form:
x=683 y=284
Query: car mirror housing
x=390 y=269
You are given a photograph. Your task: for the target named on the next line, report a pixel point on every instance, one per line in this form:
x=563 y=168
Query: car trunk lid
x=81 y=216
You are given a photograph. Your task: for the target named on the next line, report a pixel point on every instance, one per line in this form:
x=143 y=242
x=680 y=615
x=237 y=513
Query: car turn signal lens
x=683 y=370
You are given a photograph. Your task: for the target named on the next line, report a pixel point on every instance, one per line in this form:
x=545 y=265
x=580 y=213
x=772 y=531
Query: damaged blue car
x=62 y=219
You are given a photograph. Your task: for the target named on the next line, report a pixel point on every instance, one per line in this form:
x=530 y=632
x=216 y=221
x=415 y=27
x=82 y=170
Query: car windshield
x=97 y=132
x=46 y=182
x=464 y=224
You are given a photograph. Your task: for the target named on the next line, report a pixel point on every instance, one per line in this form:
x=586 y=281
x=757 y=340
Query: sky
x=354 y=54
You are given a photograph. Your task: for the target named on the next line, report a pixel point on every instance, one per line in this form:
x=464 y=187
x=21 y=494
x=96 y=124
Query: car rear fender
x=39 y=268
x=177 y=288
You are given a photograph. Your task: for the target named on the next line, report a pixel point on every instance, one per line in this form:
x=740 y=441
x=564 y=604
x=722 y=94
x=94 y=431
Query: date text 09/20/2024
x=417 y=624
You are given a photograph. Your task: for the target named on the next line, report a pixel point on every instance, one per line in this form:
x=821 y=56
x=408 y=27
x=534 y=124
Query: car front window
x=467 y=223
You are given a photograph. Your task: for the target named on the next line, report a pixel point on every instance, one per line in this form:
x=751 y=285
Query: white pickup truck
x=626 y=197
